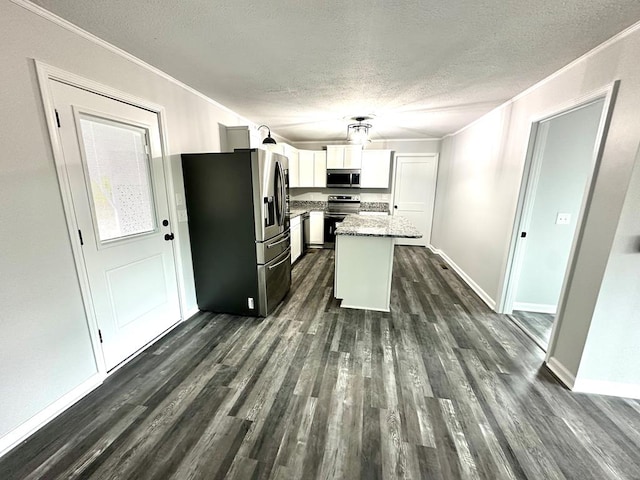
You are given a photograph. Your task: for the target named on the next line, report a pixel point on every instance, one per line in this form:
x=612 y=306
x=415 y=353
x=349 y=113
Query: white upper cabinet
x=335 y=156
x=376 y=169
x=320 y=169
x=294 y=169
x=353 y=156
x=306 y=164
x=311 y=170
x=241 y=136
x=344 y=156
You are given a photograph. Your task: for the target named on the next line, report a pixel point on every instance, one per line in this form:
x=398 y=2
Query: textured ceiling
x=425 y=68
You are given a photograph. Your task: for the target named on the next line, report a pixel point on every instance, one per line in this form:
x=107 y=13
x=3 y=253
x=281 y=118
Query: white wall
x=611 y=354
x=500 y=181
x=475 y=199
x=566 y=144
x=45 y=349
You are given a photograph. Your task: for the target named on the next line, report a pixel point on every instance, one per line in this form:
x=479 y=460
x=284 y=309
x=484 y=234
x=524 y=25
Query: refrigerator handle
x=283 y=205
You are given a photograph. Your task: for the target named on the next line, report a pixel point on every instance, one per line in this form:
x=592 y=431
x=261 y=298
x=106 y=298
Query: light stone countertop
x=295 y=212
x=377 y=226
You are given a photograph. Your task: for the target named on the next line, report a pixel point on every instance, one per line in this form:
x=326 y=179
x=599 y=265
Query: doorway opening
x=559 y=176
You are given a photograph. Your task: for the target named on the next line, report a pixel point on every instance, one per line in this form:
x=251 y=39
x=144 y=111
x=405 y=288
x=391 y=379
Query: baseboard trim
x=434 y=250
x=614 y=389
x=535 y=307
x=357 y=307
x=40 y=419
x=484 y=296
x=194 y=311
x=561 y=372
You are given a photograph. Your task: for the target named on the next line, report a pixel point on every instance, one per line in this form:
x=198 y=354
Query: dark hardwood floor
x=537 y=325
x=439 y=388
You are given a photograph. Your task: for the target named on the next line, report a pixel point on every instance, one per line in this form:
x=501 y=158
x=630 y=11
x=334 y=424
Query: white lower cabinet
x=316 y=228
x=296 y=238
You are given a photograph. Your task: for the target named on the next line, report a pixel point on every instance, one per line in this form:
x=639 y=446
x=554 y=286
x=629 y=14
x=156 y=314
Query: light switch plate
x=182 y=216
x=179 y=200
x=563 y=219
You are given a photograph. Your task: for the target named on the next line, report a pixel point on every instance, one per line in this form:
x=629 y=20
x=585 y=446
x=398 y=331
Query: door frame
x=524 y=209
x=46 y=74
x=436 y=157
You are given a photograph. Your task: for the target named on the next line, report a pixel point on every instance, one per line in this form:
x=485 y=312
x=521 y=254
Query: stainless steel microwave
x=343 y=178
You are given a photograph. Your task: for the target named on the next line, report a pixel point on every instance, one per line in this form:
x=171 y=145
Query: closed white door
x=113 y=159
x=414 y=194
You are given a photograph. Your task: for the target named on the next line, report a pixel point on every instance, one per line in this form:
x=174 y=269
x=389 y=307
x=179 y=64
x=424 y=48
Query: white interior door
x=113 y=159
x=414 y=193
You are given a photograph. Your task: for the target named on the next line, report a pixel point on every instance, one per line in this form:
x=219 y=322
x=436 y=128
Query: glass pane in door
x=119 y=176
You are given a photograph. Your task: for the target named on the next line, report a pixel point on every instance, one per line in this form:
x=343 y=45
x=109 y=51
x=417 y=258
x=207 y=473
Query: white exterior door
x=114 y=163
x=414 y=193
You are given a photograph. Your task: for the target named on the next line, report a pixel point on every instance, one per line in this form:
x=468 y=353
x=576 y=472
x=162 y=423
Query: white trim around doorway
x=46 y=74
x=531 y=170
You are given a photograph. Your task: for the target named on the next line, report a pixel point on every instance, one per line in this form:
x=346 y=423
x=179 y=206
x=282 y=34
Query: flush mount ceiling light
x=358 y=133
x=268 y=140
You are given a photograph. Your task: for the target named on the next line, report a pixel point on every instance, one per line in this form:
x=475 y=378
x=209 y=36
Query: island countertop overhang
x=377 y=226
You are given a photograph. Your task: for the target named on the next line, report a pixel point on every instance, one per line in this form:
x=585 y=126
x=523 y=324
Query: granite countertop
x=377 y=226
x=295 y=212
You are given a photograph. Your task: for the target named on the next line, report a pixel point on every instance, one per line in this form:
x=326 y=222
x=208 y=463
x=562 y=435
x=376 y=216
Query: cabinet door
x=335 y=156
x=353 y=156
x=294 y=170
x=320 y=169
x=376 y=167
x=306 y=167
x=296 y=241
x=316 y=234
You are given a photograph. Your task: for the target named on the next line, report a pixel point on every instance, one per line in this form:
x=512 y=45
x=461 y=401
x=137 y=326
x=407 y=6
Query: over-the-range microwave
x=343 y=178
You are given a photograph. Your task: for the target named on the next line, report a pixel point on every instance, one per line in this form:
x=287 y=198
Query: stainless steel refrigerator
x=239 y=229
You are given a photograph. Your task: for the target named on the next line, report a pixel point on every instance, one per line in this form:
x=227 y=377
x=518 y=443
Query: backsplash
x=374 y=207
x=307 y=205
x=321 y=195
x=322 y=205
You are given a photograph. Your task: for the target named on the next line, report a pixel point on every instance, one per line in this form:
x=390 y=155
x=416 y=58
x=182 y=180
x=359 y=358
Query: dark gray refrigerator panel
x=236 y=227
x=219 y=197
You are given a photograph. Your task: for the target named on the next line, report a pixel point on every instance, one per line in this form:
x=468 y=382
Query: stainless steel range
x=338 y=207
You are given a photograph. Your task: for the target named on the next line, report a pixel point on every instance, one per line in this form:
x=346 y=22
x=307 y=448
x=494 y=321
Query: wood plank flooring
x=440 y=388
x=537 y=325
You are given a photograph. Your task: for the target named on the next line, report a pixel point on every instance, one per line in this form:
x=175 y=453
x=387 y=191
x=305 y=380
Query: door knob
x=165 y=223
x=168 y=236
x=395 y=206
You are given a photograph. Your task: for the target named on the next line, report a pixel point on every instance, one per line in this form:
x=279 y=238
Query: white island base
x=363 y=269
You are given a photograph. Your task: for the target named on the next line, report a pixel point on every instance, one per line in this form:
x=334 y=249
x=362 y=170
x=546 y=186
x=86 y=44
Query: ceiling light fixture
x=358 y=133
x=268 y=140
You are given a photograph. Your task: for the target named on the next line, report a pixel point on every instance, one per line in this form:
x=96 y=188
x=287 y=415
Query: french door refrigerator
x=239 y=229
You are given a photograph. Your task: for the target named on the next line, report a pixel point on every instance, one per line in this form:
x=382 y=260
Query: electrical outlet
x=563 y=219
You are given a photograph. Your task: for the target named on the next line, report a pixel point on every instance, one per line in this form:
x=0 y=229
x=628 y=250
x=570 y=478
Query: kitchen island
x=364 y=259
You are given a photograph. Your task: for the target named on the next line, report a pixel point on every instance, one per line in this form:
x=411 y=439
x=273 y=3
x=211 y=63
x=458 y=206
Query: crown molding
x=344 y=142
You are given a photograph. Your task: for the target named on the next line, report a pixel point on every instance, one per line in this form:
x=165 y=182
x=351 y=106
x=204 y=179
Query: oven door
x=330 y=222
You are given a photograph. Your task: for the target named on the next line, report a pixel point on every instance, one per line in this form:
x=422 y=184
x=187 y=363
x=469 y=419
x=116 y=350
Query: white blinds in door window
x=117 y=166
